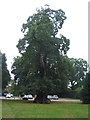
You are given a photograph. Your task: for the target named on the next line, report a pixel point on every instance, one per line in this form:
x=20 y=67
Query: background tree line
x=6 y=78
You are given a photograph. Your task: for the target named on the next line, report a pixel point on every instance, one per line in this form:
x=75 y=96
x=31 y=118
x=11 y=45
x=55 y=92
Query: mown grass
x=23 y=109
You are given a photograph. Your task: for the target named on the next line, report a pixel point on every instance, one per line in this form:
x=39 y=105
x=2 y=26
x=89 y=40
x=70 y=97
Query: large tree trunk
x=42 y=66
x=41 y=98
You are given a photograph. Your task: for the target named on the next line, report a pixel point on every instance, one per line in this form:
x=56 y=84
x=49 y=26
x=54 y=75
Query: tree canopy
x=43 y=63
x=5 y=73
x=43 y=66
x=79 y=73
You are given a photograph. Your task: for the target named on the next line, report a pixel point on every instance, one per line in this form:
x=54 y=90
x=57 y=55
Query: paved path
x=68 y=100
x=59 y=100
x=12 y=98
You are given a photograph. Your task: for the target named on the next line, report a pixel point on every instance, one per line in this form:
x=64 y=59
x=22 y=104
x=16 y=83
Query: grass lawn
x=23 y=109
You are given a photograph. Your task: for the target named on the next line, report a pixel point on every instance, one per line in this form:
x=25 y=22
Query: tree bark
x=42 y=99
x=42 y=66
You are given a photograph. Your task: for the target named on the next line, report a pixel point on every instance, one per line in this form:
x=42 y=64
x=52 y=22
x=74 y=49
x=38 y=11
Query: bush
x=85 y=94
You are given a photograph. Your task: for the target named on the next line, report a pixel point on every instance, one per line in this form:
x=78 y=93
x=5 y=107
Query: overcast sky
x=13 y=13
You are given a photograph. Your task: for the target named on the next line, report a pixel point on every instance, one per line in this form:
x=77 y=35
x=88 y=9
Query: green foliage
x=5 y=73
x=43 y=67
x=41 y=27
x=43 y=64
x=78 y=75
x=86 y=90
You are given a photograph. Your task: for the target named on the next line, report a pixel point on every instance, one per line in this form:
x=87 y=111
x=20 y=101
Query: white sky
x=13 y=13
